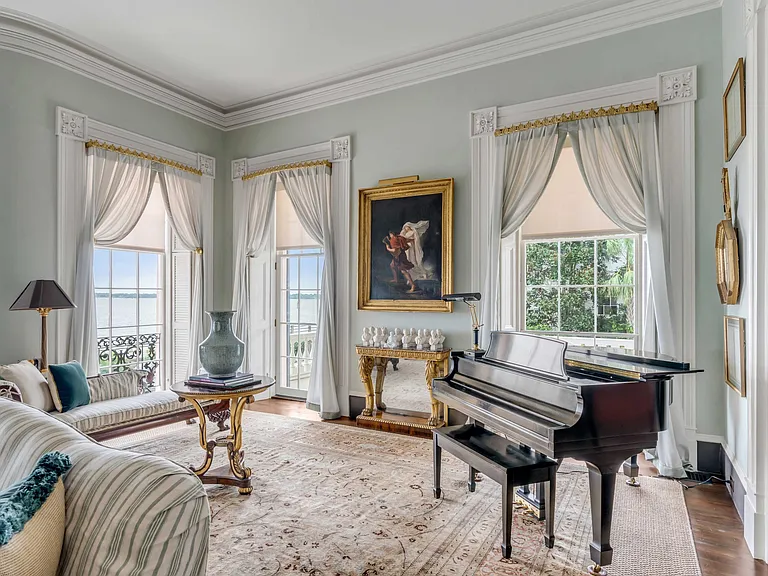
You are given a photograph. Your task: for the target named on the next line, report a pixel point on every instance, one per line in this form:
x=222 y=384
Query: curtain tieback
x=198 y=251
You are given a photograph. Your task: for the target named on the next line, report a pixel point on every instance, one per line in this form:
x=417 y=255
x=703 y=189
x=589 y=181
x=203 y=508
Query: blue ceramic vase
x=221 y=354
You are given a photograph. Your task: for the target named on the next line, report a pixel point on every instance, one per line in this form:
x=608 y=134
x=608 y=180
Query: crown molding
x=34 y=37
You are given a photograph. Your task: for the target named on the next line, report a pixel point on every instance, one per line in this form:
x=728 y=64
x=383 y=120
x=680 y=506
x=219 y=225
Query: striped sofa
x=119 y=407
x=127 y=514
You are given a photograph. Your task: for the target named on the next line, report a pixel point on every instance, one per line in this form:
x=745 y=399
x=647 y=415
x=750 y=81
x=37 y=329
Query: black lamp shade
x=42 y=294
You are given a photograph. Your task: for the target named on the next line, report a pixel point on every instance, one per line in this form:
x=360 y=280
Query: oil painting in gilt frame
x=405 y=245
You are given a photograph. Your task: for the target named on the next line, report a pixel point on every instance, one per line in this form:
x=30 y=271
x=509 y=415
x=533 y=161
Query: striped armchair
x=127 y=513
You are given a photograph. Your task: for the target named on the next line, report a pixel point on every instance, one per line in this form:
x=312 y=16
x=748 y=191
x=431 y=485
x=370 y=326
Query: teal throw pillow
x=21 y=501
x=69 y=386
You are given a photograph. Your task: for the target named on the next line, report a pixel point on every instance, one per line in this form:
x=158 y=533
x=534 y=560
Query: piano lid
x=544 y=357
x=625 y=362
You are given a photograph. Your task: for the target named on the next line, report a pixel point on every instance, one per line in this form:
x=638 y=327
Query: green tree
x=561 y=277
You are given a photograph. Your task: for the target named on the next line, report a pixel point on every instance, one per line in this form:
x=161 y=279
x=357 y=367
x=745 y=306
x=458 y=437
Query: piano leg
x=472 y=478
x=507 y=508
x=602 y=485
x=365 y=368
x=632 y=470
x=549 y=514
x=437 y=454
x=381 y=373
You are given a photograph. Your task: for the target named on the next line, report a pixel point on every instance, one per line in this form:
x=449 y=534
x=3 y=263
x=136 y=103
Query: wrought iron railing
x=121 y=353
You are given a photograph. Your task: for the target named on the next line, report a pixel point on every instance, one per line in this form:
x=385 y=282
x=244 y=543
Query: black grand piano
x=602 y=406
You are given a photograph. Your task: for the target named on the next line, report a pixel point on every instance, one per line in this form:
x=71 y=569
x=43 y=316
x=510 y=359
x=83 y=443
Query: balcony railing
x=301 y=346
x=121 y=353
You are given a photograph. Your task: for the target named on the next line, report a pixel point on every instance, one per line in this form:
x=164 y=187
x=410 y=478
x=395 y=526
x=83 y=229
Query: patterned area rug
x=337 y=500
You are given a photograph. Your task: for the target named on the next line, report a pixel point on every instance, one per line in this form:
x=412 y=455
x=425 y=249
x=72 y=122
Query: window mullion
x=111 y=310
x=559 y=285
x=594 y=289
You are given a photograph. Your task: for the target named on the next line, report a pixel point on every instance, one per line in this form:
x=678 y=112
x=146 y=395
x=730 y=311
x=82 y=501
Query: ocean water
x=128 y=310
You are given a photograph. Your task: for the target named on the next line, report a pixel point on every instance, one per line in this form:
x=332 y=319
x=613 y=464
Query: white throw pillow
x=32 y=384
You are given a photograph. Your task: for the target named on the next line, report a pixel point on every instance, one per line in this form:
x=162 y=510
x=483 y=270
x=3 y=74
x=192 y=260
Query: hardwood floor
x=717 y=528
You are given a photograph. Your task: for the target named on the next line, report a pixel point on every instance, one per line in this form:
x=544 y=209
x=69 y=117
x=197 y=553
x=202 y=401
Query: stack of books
x=239 y=380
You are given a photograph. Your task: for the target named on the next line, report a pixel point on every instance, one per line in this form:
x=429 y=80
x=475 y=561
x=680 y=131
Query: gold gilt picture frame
x=735 y=354
x=405 y=245
x=735 y=111
x=727 y=250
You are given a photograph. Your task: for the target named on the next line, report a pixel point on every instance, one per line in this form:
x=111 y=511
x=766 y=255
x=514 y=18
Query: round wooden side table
x=236 y=473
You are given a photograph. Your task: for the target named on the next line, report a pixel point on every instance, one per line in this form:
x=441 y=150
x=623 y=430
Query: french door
x=299 y=275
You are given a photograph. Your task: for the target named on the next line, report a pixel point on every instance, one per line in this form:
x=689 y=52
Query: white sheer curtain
x=116 y=195
x=309 y=190
x=619 y=159
x=184 y=204
x=254 y=209
x=524 y=163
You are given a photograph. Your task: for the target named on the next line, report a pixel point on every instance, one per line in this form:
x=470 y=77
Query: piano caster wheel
x=437 y=492
x=633 y=482
x=596 y=570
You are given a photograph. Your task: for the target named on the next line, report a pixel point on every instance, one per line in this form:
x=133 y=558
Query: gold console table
x=437 y=366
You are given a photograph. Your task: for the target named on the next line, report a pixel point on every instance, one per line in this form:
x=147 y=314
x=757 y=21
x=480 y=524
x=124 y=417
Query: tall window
x=129 y=279
x=577 y=275
x=299 y=273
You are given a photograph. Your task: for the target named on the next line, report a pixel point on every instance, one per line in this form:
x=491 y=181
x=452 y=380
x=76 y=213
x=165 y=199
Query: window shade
x=180 y=314
x=290 y=232
x=566 y=208
x=149 y=233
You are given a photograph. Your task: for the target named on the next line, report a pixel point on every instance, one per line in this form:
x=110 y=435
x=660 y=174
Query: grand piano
x=602 y=406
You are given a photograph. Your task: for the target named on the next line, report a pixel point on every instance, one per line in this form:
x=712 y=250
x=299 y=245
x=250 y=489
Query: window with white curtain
x=570 y=272
x=129 y=280
x=143 y=293
x=299 y=272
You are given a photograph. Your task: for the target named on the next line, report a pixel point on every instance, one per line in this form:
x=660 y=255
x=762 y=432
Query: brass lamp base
x=44 y=338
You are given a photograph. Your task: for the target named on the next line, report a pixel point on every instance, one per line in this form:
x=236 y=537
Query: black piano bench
x=502 y=461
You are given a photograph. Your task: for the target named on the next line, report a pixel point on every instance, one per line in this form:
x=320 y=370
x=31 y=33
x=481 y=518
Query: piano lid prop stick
x=469 y=298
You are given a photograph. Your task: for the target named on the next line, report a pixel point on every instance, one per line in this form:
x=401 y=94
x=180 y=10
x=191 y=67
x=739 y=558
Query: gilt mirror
x=727 y=250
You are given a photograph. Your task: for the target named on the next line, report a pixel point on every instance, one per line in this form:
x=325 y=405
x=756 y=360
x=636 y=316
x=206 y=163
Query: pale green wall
x=30 y=90
x=424 y=130
x=735 y=47
x=417 y=130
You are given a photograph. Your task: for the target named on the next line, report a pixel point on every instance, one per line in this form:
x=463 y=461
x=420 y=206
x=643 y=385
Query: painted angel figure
x=413 y=232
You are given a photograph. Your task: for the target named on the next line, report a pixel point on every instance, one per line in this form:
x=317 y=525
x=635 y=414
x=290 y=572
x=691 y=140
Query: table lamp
x=469 y=298
x=43 y=296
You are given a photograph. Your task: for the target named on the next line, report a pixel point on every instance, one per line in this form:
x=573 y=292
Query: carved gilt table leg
x=235 y=445
x=381 y=373
x=433 y=369
x=205 y=444
x=365 y=367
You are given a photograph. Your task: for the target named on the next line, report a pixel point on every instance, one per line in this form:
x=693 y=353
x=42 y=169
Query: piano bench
x=502 y=461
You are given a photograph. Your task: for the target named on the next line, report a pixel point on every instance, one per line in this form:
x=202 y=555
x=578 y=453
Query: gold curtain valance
x=286 y=167
x=581 y=115
x=143 y=155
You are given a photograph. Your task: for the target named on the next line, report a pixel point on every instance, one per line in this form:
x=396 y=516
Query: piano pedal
x=596 y=570
x=632 y=481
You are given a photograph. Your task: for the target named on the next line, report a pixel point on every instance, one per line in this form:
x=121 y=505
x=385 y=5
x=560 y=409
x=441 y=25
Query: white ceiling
x=232 y=52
